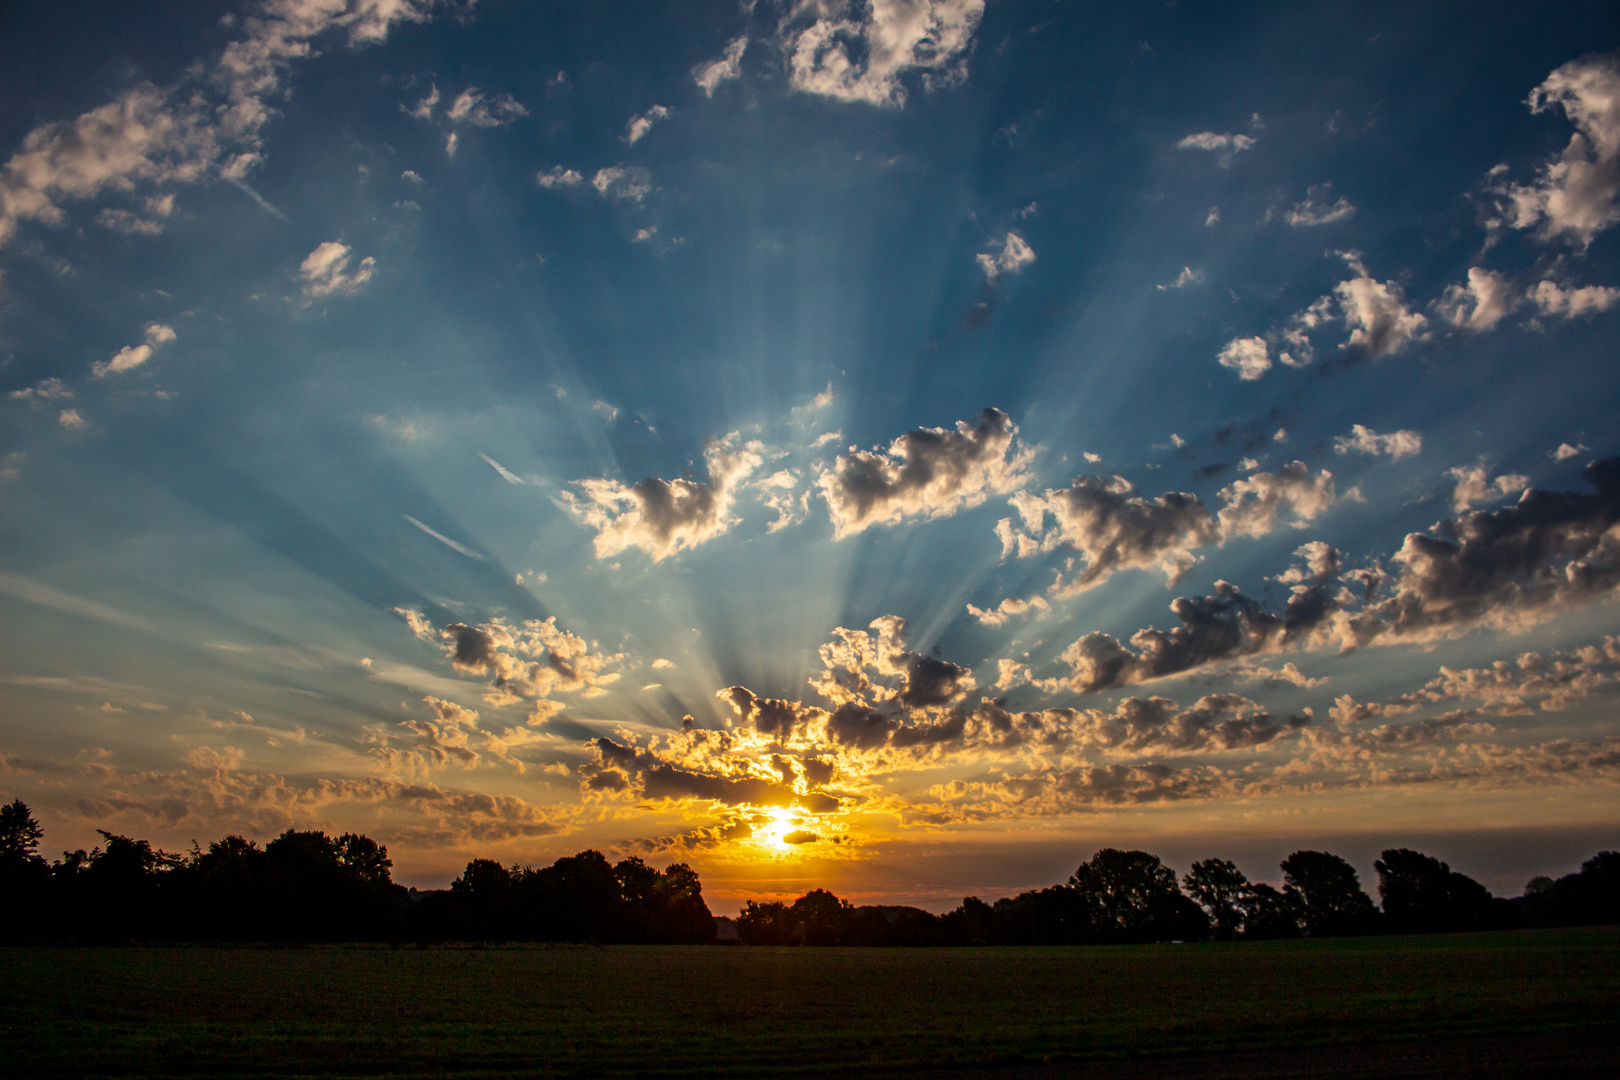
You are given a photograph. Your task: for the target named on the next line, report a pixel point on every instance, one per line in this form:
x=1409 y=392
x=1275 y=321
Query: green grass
x=629 y=1010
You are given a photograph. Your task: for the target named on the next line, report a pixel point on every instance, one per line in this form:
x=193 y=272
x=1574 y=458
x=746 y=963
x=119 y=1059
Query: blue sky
x=1003 y=429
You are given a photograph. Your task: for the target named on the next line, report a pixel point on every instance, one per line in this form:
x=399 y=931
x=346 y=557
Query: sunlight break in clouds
x=858 y=51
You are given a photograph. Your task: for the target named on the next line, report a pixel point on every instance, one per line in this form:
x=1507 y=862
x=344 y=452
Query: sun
x=776 y=832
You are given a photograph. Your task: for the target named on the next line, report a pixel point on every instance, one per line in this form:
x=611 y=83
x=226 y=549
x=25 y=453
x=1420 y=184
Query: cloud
x=471 y=108
x=661 y=517
x=1216 y=722
x=1575 y=196
x=1188 y=276
x=1014 y=256
x=1115 y=529
x=133 y=356
x=72 y=420
x=777 y=493
x=1009 y=608
x=506 y=474
x=44 y=390
x=709 y=76
x=1472 y=486
x=1565 y=451
x=1479 y=305
x=529 y=661
x=1364 y=440
x=557 y=176
x=1225 y=145
x=927 y=472
x=1316 y=210
x=326 y=271
x=1246 y=356
x=629 y=182
x=636 y=128
x=1573 y=303
x=855 y=51
x=461 y=549
x=1374 y=312
x=153 y=135
x=157 y=207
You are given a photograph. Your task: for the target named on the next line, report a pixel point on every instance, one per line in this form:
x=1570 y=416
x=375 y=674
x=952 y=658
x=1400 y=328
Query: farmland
x=671 y=1011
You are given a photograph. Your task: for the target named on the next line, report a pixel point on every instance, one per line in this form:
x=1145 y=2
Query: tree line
x=1119 y=897
x=308 y=886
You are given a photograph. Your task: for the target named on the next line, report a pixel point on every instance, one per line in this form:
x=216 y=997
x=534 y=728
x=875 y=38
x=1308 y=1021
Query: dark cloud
x=472 y=650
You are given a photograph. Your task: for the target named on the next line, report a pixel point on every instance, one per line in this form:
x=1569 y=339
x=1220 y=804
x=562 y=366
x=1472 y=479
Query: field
x=627 y=1010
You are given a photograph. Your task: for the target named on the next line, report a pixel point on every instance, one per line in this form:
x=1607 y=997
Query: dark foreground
x=1520 y=1004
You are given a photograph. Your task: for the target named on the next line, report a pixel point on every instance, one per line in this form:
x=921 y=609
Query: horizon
x=898 y=447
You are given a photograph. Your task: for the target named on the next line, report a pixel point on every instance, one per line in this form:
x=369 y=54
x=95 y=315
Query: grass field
x=629 y=1010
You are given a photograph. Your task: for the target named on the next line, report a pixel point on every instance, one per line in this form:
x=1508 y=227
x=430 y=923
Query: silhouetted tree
x=769 y=923
x=1219 y=887
x=1132 y=896
x=819 y=918
x=1589 y=898
x=24 y=875
x=1421 y=894
x=1330 y=892
x=1269 y=913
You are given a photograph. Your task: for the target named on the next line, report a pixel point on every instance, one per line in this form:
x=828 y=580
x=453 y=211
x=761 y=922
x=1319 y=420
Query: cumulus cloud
x=557 y=176
x=709 y=76
x=72 y=420
x=636 y=128
x=662 y=517
x=1115 y=529
x=628 y=182
x=1224 y=145
x=1015 y=254
x=1249 y=357
x=1364 y=440
x=1573 y=303
x=1374 y=312
x=45 y=390
x=1479 y=304
x=182 y=135
x=1565 y=451
x=1315 y=209
x=1009 y=608
x=927 y=472
x=850 y=50
x=1473 y=487
x=471 y=108
x=530 y=661
x=1216 y=722
x=779 y=492
x=133 y=356
x=326 y=271
x=1576 y=194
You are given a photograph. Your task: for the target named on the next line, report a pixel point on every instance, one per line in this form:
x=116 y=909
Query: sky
x=895 y=446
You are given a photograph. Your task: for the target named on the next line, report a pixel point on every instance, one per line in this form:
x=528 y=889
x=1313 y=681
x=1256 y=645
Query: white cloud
x=152 y=135
x=71 y=420
x=1213 y=217
x=461 y=549
x=506 y=474
x=661 y=517
x=410 y=176
x=927 y=472
x=1246 y=356
x=326 y=271
x=1224 y=145
x=660 y=664
x=423 y=110
x=1364 y=440
x=44 y=390
x=133 y=356
x=1473 y=487
x=157 y=208
x=1188 y=276
x=636 y=128
x=855 y=51
x=1316 y=210
x=1376 y=313
x=606 y=410
x=1573 y=303
x=1485 y=300
x=557 y=176
x=1564 y=452
x=629 y=182
x=1015 y=254
x=1008 y=609
x=709 y=76
x=1577 y=194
